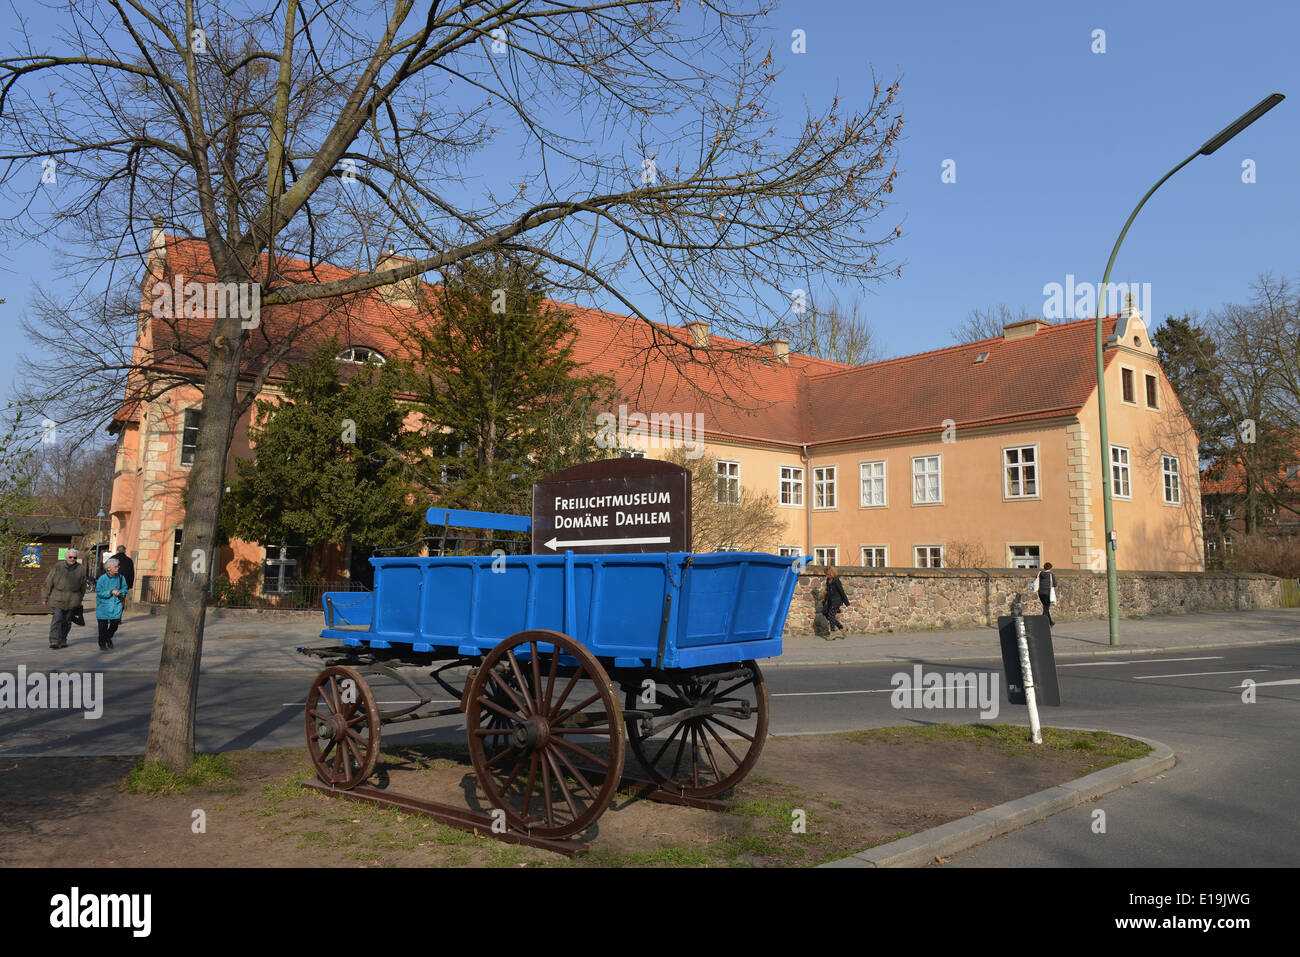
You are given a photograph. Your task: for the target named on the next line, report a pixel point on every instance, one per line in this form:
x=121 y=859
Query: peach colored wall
x=974 y=508
x=1152 y=535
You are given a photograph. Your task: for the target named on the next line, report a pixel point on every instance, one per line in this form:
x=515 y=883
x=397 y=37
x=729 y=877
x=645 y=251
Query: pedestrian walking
x=109 y=592
x=127 y=567
x=834 y=600
x=63 y=590
x=1045 y=585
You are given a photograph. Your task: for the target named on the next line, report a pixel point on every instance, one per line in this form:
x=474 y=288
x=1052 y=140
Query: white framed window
x=280 y=569
x=1212 y=546
x=1228 y=543
x=927 y=556
x=1020 y=472
x=927 y=480
x=788 y=551
x=826 y=555
x=791 y=485
x=176 y=551
x=1025 y=556
x=728 y=490
x=1173 y=489
x=1209 y=510
x=1119 y=473
x=873 y=484
x=360 y=354
x=189 y=436
x=1229 y=511
x=875 y=556
x=824 y=487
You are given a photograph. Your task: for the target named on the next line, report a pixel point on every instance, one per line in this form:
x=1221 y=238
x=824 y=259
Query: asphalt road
x=1232 y=800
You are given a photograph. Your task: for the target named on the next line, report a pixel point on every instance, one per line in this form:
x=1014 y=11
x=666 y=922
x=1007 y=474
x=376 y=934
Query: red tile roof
x=743 y=391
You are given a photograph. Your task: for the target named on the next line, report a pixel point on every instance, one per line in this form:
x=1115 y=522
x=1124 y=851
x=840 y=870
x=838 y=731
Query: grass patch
x=1103 y=748
x=208 y=772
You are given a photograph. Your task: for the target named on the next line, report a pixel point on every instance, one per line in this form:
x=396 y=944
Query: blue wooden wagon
x=543 y=640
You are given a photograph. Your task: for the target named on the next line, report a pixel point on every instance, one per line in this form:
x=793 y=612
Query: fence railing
x=297 y=596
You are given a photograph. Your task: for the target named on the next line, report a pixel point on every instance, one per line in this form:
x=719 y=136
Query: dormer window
x=360 y=354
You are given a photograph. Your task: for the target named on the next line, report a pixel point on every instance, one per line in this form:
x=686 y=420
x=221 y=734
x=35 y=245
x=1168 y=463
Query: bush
x=1270 y=555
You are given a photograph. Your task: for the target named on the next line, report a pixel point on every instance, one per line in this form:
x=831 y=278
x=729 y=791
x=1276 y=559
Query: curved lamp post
x=1210 y=145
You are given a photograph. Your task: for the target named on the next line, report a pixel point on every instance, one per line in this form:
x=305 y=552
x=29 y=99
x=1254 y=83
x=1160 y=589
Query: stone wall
x=914 y=599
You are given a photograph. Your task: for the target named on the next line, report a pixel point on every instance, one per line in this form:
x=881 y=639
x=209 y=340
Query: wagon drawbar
x=562 y=664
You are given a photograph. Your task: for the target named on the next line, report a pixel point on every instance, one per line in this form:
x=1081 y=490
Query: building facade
x=977 y=455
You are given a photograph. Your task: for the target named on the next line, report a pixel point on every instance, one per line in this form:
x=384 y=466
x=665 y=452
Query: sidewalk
x=256 y=644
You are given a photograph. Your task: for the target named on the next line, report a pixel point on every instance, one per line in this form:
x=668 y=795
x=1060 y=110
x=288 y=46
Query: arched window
x=360 y=354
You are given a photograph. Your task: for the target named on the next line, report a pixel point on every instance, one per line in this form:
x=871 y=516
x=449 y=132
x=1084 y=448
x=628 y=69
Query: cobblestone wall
x=914 y=599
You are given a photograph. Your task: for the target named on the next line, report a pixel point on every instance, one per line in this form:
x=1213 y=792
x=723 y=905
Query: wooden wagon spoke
x=676 y=730
x=550 y=680
x=529 y=705
x=559 y=780
x=581 y=751
x=708 y=750
x=548 y=799
x=574 y=710
x=528 y=791
x=576 y=772
x=708 y=725
x=681 y=745
x=596 y=729
x=726 y=695
x=747 y=737
x=695 y=756
x=493 y=706
x=573 y=680
x=539 y=707
x=504 y=688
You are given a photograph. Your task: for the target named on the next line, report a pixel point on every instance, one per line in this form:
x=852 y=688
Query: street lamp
x=1210 y=145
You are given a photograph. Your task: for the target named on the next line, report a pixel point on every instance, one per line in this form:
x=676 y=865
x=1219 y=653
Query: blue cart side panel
x=725 y=606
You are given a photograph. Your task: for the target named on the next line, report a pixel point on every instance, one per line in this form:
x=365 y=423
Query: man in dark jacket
x=126 y=568
x=63 y=590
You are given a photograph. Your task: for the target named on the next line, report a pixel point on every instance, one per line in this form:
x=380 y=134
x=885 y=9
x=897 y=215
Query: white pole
x=1022 y=642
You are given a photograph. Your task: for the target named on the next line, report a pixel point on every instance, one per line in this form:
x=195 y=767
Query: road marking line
x=813 y=694
x=1198 y=674
x=1135 y=661
x=1261 y=684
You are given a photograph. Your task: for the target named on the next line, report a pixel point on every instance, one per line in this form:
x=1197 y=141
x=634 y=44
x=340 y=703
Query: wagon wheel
x=703 y=755
x=342 y=724
x=563 y=731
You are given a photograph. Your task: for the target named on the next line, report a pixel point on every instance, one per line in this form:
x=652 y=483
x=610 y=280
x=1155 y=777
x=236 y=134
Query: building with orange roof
x=983 y=454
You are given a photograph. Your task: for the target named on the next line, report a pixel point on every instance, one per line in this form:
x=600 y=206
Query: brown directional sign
x=615 y=505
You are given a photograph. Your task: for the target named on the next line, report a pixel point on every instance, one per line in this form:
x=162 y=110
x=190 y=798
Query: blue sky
x=1052 y=143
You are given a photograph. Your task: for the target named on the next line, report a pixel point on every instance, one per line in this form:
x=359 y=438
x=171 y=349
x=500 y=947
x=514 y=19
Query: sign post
x=1029 y=663
x=615 y=505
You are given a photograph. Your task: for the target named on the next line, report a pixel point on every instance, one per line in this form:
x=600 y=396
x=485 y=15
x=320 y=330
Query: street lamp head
x=1243 y=121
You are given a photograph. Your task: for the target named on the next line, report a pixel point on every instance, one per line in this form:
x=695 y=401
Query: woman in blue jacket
x=108 y=605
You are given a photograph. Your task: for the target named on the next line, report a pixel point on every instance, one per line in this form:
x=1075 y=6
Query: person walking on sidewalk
x=127 y=568
x=63 y=590
x=834 y=600
x=109 y=593
x=1045 y=585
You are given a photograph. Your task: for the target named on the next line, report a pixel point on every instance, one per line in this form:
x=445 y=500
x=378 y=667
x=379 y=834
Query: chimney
x=781 y=349
x=1023 y=329
x=699 y=332
x=405 y=292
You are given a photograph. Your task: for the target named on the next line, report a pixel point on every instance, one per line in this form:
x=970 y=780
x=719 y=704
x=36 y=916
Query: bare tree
x=965 y=553
x=987 y=323
x=649 y=155
x=836 y=332
x=727 y=517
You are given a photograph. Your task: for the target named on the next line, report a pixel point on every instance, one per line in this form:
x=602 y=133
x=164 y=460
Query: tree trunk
x=171 y=725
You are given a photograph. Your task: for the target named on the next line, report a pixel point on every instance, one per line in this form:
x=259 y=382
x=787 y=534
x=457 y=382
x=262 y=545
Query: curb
x=964 y=833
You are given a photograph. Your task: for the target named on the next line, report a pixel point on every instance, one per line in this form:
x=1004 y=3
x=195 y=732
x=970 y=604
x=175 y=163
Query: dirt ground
x=854 y=790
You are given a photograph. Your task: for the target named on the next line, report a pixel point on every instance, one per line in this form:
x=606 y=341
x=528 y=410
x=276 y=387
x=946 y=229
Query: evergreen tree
x=503 y=399
x=330 y=462
x=1187 y=353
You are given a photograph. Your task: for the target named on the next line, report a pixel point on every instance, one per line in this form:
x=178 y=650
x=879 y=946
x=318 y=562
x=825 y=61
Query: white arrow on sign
x=553 y=544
